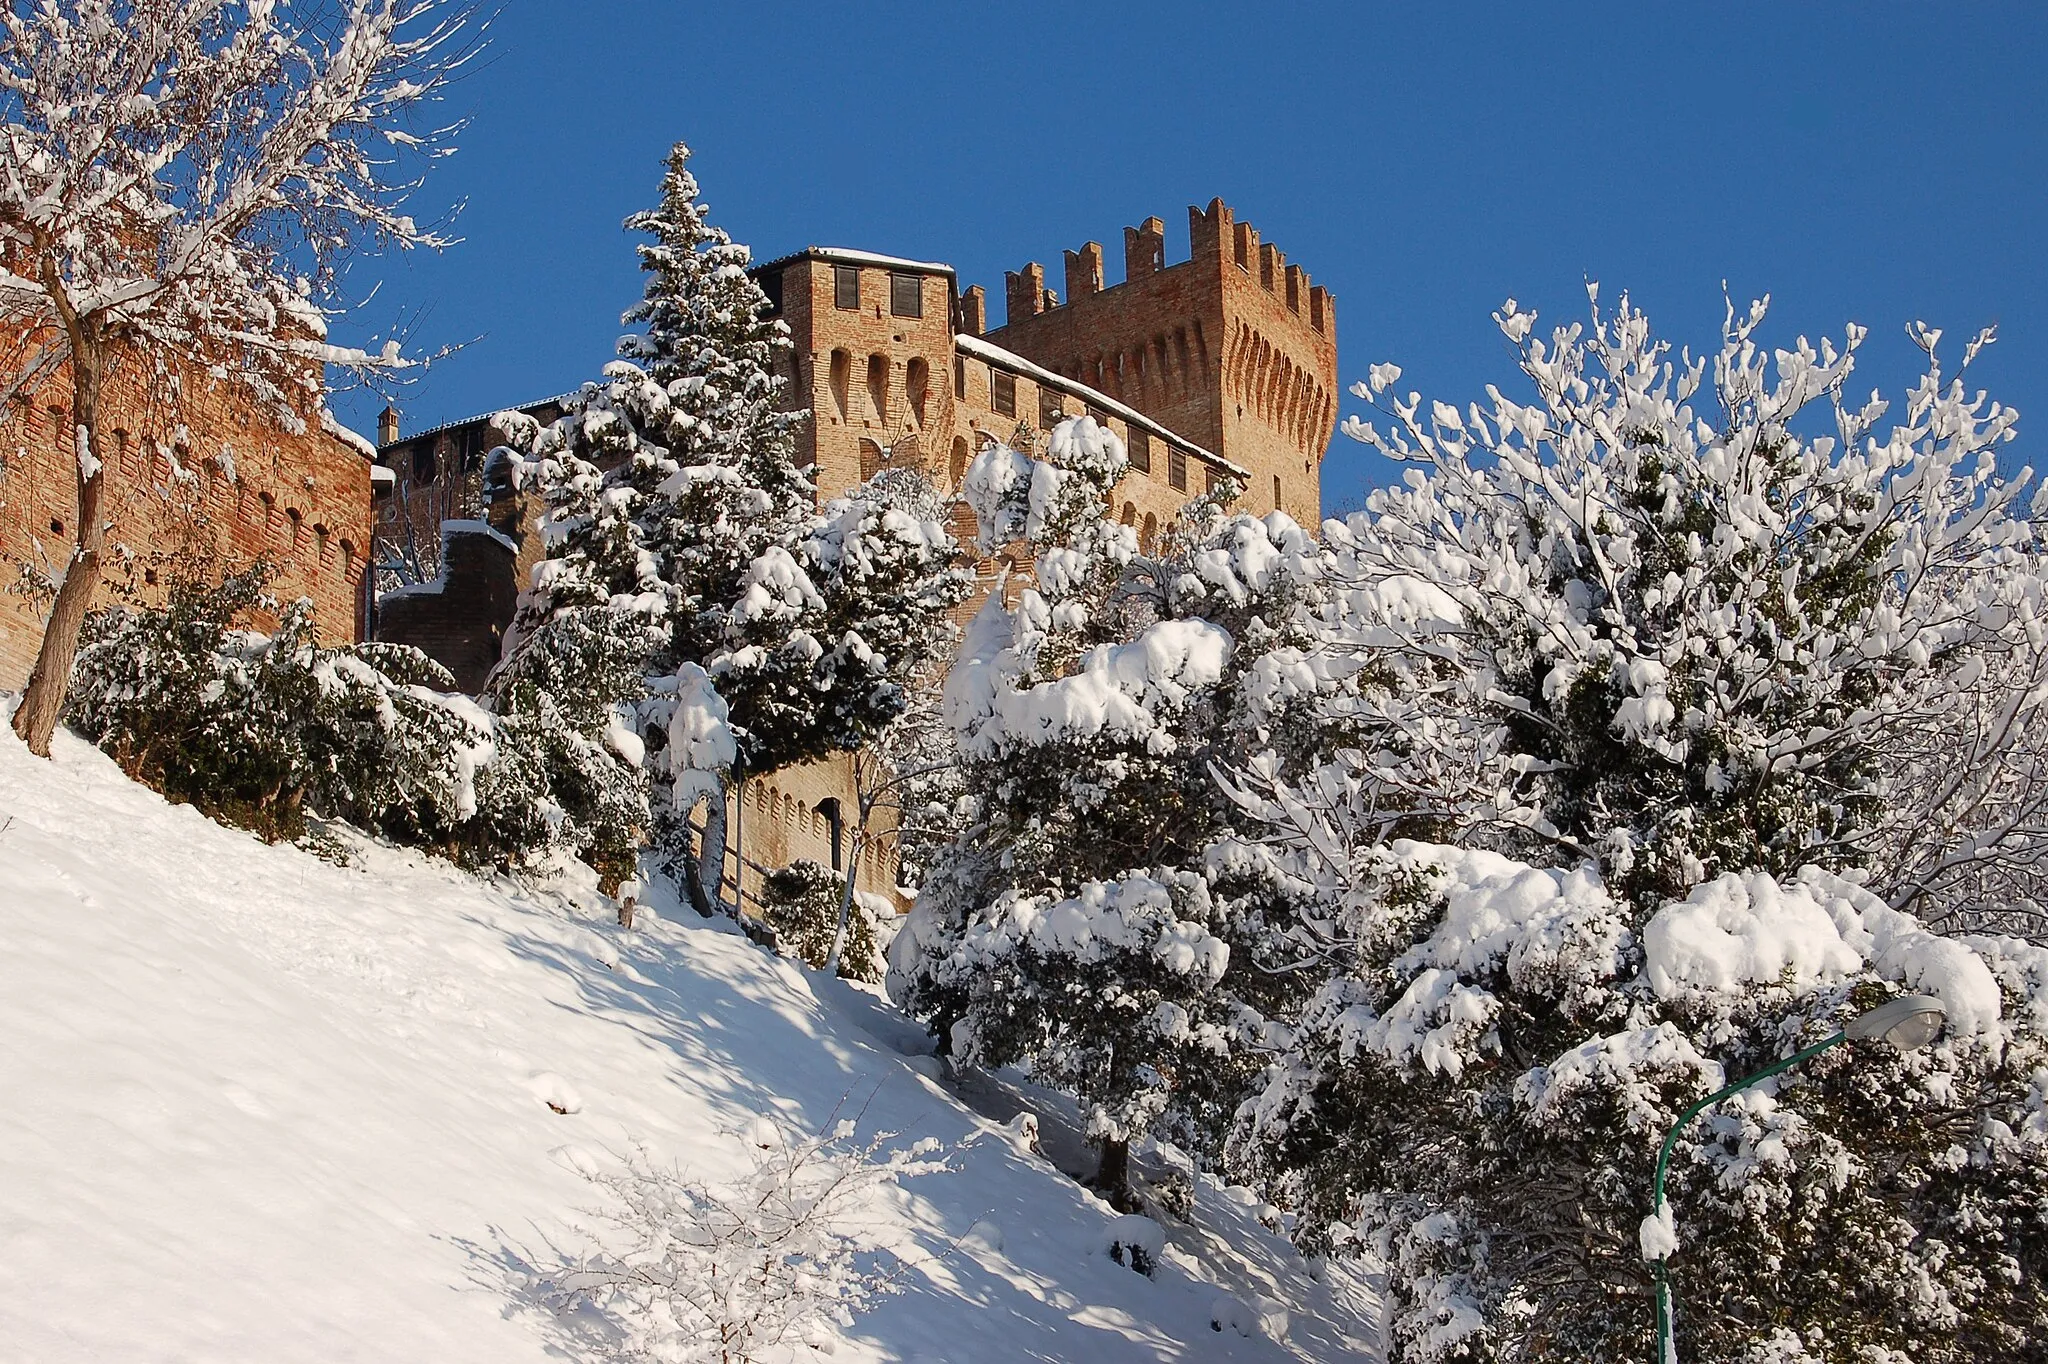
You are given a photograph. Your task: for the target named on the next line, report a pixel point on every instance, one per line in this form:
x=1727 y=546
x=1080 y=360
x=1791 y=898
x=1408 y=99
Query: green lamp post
x=1908 y=1023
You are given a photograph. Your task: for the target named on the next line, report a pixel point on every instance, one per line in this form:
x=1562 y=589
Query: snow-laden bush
x=1695 y=677
x=801 y=902
x=1479 y=1093
x=1691 y=616
x=747 y=1271
x=258 y=729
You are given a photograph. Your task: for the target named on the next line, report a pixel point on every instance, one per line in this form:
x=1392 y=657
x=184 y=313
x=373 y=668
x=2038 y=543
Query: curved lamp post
x=1908 y=1023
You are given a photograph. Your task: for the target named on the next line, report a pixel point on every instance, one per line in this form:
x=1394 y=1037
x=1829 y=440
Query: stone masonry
x=1222 y=367
x=215 y=473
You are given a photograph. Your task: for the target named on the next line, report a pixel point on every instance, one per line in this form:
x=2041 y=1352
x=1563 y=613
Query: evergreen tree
x=684 y=533
x=1072 y=925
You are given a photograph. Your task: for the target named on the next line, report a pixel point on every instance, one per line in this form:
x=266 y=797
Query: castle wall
x=216 y=472
x=1233 y=347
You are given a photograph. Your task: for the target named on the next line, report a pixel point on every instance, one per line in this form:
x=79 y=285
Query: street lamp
x=1907 y=1023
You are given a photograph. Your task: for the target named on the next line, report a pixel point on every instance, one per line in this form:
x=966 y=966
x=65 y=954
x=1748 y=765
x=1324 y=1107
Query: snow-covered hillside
x=262 y=1107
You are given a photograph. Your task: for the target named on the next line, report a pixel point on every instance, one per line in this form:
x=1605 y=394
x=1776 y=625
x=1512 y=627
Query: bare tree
x=178 y=181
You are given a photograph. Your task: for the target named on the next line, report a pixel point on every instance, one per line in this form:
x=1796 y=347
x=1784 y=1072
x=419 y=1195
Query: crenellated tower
x=1234 y=347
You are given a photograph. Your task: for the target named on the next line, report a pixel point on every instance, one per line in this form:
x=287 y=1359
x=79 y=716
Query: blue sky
x=1874 y=162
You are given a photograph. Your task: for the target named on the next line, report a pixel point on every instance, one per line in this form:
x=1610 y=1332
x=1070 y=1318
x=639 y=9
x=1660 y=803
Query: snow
x=451 y=529
x=263 y=1107
x=847 y=256
x=1658 y=1234
x=1117 y=691
x=1129 y=416
x=701 y=743
x=354 y=440
x=1744 y=929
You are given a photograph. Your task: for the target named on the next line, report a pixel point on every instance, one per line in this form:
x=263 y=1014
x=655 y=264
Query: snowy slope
x=259 y=1107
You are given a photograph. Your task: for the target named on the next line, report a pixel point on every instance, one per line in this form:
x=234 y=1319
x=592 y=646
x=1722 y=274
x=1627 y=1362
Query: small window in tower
x=771 y=285
x=1139 y=447
x=1177 y=468
x=906 y=296
x=846 y=286
x=960 y=377
x=1276 y=492
x=1002 y=392
x=1050 y=412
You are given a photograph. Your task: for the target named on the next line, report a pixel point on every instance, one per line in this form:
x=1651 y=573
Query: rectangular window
x=906 y=296
x=1212 y=480
x=1177 y=468
x=1049 y=410
x=960 y=377
x=846 y=286
x=771 y=285
x=1139 y=447
x=1002 y=392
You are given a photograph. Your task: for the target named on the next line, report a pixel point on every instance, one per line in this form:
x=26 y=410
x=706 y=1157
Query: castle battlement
x=1235 y=347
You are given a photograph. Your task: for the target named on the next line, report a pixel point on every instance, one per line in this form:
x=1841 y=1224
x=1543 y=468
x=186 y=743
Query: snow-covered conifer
x=683 y=531
x=1072 y=925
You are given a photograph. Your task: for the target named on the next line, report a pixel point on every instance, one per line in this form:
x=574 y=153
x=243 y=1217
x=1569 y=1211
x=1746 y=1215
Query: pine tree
x=684 y=533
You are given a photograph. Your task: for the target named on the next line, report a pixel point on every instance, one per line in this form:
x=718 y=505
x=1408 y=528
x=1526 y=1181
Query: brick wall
x=235 y=480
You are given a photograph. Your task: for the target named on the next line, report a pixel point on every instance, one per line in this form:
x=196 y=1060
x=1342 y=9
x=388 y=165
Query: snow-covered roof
x=1102 y=402
x=383 y=477
x=842 y=255
x=355 y=440
x=460 y=422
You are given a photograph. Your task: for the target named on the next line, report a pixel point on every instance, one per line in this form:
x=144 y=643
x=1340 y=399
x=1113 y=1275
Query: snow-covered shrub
x=801 y=903
x=1479 y=1092
x=259 y=729
x=1135 y=1242
x=1691 y=616
x=745 y=1272
x=203 y=712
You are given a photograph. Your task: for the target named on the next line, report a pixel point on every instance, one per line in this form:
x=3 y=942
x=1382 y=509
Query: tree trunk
x=711 y=852
x=1113 y=1175
x=845 y=908
x=42 y=705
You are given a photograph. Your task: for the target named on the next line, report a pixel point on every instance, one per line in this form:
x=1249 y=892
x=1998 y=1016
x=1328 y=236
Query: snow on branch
x=186 y=174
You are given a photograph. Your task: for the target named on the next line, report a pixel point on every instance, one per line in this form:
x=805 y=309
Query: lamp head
x=1909 y=1022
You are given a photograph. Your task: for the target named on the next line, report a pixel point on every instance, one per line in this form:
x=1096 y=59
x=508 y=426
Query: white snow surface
x=265 y=1108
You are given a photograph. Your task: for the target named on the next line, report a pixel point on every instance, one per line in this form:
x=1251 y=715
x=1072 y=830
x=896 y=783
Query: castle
x=1221 y=368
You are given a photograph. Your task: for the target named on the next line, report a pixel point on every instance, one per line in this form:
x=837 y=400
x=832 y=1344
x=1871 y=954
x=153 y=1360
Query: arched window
x=916 y=379
x=842 y=371
x=348 y=560
x=878 y=387
x=957 y=466
x=321 y=546
x=298 y=526
x=1130 y=516
x=1148 y=535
